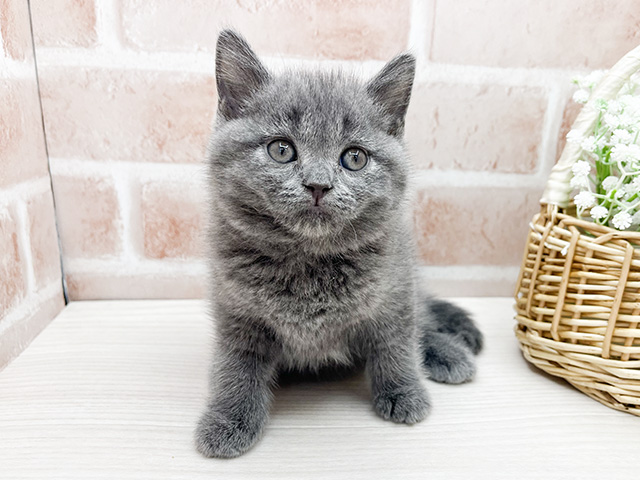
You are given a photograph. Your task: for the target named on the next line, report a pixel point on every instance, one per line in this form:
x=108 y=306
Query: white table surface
x=112 y=390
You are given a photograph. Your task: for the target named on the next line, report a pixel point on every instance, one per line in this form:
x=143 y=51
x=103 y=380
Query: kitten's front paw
x=220 y=437
x=402 y=404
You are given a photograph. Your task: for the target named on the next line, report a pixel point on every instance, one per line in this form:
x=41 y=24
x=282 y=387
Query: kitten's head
x=308 y=154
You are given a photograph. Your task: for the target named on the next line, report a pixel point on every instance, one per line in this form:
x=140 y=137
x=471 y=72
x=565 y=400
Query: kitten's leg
x=446 y=358
x=241 y=393
x=392 y=368
x=452 y=320
x=448 y=340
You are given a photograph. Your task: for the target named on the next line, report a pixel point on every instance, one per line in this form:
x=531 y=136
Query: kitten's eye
x=353 y=159
x=281 y=151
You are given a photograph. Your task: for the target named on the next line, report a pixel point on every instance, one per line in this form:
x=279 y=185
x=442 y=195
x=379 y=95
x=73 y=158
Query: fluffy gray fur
x=300 y=287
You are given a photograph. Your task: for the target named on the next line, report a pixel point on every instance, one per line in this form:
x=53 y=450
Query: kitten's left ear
x=391 y=90
x=239 y=73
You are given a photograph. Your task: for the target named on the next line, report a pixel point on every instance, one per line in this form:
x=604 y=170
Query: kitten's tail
x=449 y=339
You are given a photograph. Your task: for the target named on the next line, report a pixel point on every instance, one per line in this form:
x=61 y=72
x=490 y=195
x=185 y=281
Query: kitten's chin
x=315 y=222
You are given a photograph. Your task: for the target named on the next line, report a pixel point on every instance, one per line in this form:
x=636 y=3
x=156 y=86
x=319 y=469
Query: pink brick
x=12 y=274
x=44 y=240
x=352 y=29
x=22 y=152
x=127 y=114
x=15 y=31
x=64 y=23
x=99 y=285
x=545 y=33
x=473 y=226
x=172 y=221
x=88 y=217
x=476 y=286
x=475 y=127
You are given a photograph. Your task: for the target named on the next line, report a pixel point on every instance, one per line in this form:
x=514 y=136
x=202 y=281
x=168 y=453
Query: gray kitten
x=312 y=249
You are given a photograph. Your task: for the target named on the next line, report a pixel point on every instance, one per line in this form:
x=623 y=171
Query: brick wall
x=30 y=278
x=128 y=95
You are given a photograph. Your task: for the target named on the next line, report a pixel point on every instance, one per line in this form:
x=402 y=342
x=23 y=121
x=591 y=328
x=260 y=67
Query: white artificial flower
x=581 y=168
x=612 y=145
x=581 y=96
x=574 y=137
x=599 y=212
x=630 y=189
x=601 y=143
x=624 y=99
x=628 y=119
x=611 y=120
x=633 y=107
x=593 y=78
x=614 y=107
x=630 y=103
x=621 y=135
x=590 y=80
x=621 y=220
x=601 y=105
x=610 y=183
x=589 y=144
x=625 y=153
x=580 y=182
x=584 y=200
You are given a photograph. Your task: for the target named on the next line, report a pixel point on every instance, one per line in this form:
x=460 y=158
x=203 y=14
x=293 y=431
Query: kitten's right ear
x=239 y=74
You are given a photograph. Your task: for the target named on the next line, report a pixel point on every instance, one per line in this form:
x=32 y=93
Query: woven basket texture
x=578 y=293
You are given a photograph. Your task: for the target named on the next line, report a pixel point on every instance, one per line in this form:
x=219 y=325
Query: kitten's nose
x=317 y=190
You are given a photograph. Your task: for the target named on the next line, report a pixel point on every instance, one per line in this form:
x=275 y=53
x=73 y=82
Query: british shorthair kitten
x=312 y=248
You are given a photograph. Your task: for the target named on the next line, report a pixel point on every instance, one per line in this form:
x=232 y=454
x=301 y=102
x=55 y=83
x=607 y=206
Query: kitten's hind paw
x=447 y=359
x=402 y=404
x=225 y=438
x=453 y=320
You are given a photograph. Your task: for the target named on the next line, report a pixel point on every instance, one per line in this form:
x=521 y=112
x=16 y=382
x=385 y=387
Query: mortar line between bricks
x=420 y=28
x=434 y=12
x=189 y=172
x=203 y=62
x=24 y=190
x=26 y=307
x=180 y=172
x=473 y=178
x=12 y=69
x=139 y=266
x=108 y=23
x=196 y=268
x=123 y=184
x=454 y=272
x=22 y=217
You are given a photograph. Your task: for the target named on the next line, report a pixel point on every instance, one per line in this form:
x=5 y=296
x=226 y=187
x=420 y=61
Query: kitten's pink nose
x=317 y=190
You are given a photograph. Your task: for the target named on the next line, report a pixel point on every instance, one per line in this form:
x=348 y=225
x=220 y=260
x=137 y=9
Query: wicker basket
x=578 y=293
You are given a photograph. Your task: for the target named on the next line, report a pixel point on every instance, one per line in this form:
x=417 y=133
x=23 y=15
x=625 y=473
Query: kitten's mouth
x=318 y=209
x=314 y=217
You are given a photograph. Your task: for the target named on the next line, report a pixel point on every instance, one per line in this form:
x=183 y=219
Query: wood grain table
x=113 y=389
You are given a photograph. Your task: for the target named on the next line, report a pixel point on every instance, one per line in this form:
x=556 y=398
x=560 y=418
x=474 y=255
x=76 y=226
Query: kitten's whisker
x=354 y=230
